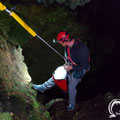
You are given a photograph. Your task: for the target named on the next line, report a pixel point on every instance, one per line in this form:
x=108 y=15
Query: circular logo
x=114 y=108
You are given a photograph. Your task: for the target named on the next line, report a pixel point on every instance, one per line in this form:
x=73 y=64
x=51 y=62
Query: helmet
x=62 y=36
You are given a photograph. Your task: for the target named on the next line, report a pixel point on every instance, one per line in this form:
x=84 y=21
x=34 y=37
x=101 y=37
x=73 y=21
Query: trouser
x=72 y=83
x=72 y=91
x=48 y=84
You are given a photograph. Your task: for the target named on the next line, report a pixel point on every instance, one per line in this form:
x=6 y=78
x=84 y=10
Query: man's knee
x=71 y=88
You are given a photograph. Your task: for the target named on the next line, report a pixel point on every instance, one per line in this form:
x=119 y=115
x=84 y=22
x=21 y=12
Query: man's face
x=64 y=44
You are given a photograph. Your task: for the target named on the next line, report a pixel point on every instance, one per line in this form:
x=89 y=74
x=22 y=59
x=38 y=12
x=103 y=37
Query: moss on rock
x=16 y=94
x=5 y=116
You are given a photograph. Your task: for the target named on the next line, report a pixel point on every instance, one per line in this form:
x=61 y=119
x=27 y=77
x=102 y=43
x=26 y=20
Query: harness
x=69 y=56
x=68 y=53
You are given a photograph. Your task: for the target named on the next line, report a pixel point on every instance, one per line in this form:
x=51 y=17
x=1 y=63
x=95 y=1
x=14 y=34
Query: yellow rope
x=21 y=22
x=18 y=19
x=2 y=7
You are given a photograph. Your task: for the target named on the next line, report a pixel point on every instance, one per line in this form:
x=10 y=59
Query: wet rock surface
x=95 y=108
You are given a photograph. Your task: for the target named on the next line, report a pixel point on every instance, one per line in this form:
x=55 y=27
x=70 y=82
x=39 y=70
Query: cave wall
x=17 y=99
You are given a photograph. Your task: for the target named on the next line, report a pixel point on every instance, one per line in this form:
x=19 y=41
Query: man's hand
x=67 y=67
x=67 y=59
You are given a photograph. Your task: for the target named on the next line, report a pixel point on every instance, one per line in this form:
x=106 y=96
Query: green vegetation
x=47 y=22
x=5 y=116
x=11 y=30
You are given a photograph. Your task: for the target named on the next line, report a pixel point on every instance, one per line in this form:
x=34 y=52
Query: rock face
x=12 y=67
x=71 y=3
x=16 y=96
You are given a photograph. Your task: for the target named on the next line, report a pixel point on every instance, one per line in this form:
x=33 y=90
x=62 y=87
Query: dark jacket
x=79 y=54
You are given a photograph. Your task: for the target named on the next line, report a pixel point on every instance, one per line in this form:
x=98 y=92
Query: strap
x=68 y=52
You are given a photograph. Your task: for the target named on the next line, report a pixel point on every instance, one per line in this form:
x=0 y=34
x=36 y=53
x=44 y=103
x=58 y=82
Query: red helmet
x=62 y=37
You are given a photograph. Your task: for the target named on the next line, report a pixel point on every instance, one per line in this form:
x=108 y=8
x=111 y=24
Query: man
x=77 y=53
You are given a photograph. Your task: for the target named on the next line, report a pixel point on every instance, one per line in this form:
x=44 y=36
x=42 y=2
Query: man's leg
x=72 y=91
x=45 y=86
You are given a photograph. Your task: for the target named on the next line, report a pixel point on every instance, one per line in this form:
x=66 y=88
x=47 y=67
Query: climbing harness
x=25 y=26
